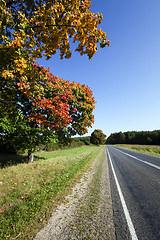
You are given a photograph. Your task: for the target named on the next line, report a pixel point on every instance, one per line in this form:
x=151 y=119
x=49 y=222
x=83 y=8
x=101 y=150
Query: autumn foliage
x=43 y=102
x=48 y=101
x=46 y=26
x=31 y=96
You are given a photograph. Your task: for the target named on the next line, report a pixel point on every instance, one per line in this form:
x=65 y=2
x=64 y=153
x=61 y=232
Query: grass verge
x=150 y=149
x=84 y=224
x=30 y=192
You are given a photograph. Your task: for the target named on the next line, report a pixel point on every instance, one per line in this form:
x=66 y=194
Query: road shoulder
x=88 y=212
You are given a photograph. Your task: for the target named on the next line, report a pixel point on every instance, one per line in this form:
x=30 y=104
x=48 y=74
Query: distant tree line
x=84 y=140
x=134 y=137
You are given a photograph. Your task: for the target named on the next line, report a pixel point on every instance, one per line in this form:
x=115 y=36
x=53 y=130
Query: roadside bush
x=52 y=146
x=77 y=144
x=56 y=146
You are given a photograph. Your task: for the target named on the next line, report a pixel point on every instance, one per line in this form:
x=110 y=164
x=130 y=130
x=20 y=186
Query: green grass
x=30 y=192
x=66 y=152
x=150 y=149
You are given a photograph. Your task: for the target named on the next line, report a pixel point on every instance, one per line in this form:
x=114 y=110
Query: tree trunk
x=30 y=157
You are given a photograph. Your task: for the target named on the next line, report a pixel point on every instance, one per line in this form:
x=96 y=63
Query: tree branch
x=56 y=25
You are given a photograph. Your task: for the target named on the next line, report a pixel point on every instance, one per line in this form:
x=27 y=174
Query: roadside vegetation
x=30 y=192
x=150 y=149
x=8 y=158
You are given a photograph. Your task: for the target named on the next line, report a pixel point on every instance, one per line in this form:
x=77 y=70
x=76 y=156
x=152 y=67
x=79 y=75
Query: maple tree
x=42 y=106
x=33 y=102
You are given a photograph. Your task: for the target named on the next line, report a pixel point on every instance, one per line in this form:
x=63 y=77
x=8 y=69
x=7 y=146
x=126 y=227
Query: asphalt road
x=137 y=207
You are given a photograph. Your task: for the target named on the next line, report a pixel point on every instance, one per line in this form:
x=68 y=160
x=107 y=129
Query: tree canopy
x=46 y=26
x=35 y=104
x=42 y=106
x=97 y=137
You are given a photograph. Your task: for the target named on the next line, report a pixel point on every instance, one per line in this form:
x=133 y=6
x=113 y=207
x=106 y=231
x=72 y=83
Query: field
x=150 y=149
x=30 y=192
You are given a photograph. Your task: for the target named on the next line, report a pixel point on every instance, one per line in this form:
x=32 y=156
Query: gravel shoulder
x=87 y=213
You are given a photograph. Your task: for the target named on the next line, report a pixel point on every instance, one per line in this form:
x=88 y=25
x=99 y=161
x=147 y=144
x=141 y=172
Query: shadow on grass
x=7 y=160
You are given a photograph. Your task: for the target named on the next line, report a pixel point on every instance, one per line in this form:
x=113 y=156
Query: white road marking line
x=125 y=209
x=150 y=164
x=143 y=153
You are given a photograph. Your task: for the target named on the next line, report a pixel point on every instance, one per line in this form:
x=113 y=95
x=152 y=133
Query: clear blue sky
x=124 y=78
